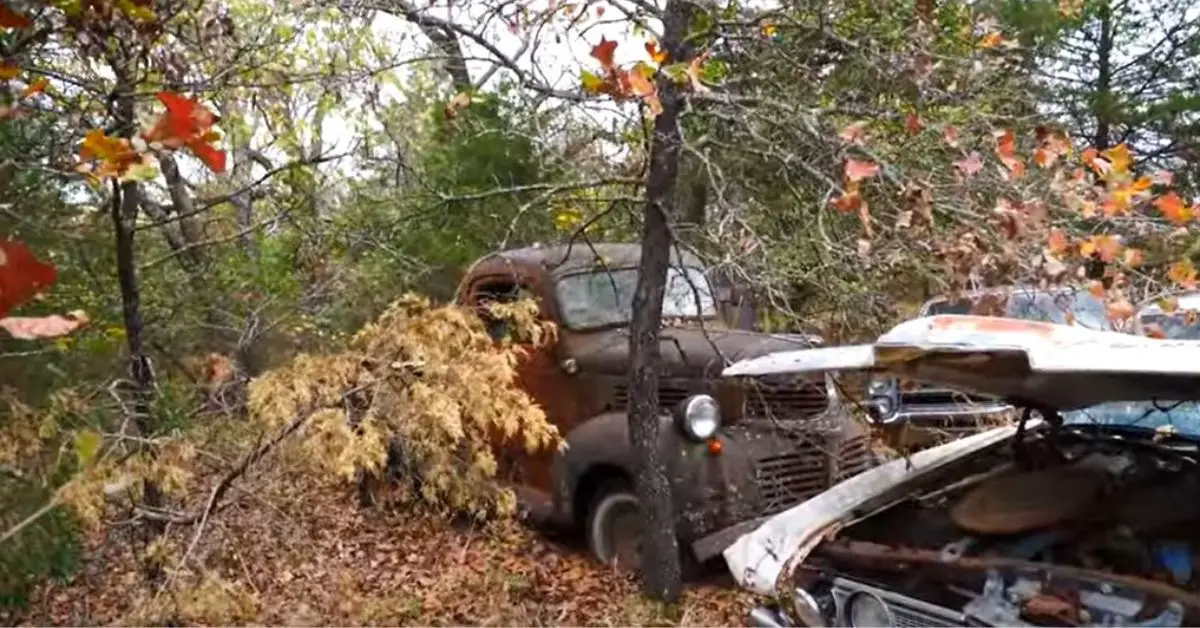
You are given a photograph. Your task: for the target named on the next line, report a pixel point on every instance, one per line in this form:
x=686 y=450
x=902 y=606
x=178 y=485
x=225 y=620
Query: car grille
x=906 y=611
x=785 y=399
x=785 y=480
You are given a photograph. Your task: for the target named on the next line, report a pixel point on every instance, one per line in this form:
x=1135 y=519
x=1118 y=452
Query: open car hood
x=1029 y=363
x=1025 y=362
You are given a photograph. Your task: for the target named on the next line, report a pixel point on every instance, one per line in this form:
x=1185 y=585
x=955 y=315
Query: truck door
x=538 y=373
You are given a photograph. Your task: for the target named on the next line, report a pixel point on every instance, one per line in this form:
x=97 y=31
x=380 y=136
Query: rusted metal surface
x=782 y=440
x=1015 y=503
x=883 y=557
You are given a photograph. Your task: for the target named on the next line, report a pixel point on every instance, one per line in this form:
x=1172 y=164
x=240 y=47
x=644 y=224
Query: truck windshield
x=1051 y=307
x=605 y=297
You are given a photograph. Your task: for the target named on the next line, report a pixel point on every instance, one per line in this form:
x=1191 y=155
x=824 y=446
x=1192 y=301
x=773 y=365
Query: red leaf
x=184 y=120
x=209 y=154
x=603 y=52
x=912 y=123
x=21 y=275
x=26 y=328
x=12 y=19
x=858 y=170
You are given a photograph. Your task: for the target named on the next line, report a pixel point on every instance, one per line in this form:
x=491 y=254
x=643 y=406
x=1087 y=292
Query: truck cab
x=736 y=452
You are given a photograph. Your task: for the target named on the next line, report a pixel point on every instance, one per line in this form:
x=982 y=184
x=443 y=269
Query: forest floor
x=304 y=554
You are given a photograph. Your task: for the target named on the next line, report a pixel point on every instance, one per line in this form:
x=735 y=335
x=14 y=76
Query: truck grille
x=766 y=399
x=785 y=480
x=787 y=399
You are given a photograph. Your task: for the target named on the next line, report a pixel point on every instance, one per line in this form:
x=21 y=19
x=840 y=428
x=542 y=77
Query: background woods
x=212 y=213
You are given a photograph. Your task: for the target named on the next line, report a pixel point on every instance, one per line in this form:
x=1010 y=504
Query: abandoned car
x=1084 y=513
x=1182 y=322
x=904 y=404
x=734 y=453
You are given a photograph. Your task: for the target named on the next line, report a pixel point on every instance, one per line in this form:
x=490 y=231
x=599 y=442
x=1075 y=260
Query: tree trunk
x=126 y=202
x=661 y=577
x=1103 y=103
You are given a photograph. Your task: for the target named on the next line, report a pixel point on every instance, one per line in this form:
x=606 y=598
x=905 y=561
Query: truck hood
x=684 y=350
x=1026 y=362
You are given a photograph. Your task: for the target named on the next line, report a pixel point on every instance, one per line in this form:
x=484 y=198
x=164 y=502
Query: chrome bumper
x=905 y=611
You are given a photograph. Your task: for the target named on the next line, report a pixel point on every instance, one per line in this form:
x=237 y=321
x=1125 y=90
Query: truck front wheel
x=615 y=527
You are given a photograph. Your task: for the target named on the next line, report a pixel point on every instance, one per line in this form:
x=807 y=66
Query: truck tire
x=614 y=527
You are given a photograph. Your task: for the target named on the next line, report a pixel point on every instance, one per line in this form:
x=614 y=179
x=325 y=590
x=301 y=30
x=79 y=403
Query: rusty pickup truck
x=735 y=453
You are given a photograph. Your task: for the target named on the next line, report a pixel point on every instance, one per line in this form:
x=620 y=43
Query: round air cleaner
x=1022 y=502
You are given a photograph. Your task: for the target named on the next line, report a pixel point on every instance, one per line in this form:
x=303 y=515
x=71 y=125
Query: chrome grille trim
x=906 y=611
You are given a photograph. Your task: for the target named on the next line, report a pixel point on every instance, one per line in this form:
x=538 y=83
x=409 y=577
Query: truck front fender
x=600 y=442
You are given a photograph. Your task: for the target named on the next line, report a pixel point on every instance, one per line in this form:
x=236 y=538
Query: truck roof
x=566 y=259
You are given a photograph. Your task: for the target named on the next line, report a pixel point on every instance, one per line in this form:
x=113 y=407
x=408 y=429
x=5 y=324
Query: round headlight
x=699 y=417
x=868 y=610
x=880 y=385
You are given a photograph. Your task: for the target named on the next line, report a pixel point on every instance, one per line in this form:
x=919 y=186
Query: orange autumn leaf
x=12 y=19
x=694 y=70
x=603 y=52
x=9 y=70
x=656 y=55
x=1103 y=245
x=36 y=87
x=859 y=170
x=115 y=154
x=1119 y=158
x=1096 y=288
x=1173 y=208
x=1183 y=273
x=1056 y=242
x=1005 y=142
x=640 y=86
x=1133 y=258
x=991 y=40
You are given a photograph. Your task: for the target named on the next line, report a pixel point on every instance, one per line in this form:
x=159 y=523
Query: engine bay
x=1063 y=527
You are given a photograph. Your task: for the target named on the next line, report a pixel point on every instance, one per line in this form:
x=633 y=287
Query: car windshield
x=1179 y=417
x=1051 y=307
x=605 y=297
x=1176 y=326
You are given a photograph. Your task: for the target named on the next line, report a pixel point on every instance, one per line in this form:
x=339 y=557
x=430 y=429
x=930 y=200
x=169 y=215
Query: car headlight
x=865 y=610
x=699 y=416
x=880 y=386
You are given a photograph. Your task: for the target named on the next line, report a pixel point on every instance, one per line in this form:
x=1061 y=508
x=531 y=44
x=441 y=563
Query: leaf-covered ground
x=305 y=554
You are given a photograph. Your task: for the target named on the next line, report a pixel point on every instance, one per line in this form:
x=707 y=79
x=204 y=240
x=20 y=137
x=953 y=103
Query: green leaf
x=87 y=446
x=591 y=83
